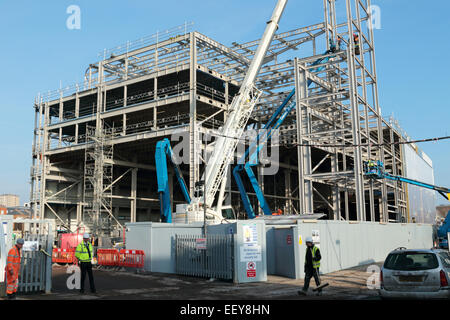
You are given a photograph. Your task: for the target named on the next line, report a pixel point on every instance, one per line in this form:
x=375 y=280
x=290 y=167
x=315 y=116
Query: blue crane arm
x=164 y=151
x=375 y=170
x=252 y=152
x=445 y=192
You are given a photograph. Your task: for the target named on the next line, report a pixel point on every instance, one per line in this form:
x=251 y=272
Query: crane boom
x=240 y=111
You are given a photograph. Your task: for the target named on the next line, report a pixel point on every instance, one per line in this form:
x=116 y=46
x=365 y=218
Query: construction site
x=268 y=141
x=95 y=142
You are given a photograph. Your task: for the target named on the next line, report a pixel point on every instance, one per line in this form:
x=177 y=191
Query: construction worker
x=372 y=167
x=12 y=269
x=278 y=213
x=84 y=253
x=356 y=41
x=333 y=47
x=339 y=43
x=312 y=265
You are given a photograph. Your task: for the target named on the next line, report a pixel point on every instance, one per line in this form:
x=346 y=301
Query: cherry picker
x=375 y=170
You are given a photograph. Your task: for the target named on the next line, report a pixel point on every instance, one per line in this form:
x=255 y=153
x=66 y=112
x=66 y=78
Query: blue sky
x=39 y=52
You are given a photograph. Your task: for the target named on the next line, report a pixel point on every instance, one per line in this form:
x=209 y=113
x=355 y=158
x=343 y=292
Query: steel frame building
x=94 y=142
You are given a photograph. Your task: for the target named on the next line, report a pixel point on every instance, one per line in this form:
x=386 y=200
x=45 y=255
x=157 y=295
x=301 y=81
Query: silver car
x=416 y=274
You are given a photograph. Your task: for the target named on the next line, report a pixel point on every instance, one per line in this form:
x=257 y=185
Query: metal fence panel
x=32 y=268
x=35 y=268
x=216 y=261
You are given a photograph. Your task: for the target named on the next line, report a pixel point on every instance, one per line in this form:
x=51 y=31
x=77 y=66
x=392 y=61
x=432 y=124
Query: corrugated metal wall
x=343 y=245
x=158 y=242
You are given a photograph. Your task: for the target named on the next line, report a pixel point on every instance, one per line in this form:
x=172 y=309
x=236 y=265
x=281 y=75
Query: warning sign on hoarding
x=251 y=269
x=316 y=236
x=289 y=239
x=250 y=253
x=250 y=233
x=200 y=244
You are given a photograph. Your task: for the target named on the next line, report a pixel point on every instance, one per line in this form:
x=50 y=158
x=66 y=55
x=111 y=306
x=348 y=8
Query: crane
x=239 y=113
x=164 y=151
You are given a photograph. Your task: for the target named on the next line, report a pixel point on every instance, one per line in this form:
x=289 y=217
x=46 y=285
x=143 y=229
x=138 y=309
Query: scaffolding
x=98 y=179
x=179 y=84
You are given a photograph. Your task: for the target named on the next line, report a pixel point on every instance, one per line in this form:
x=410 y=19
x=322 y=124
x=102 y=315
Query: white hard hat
x=86 y=236
x=309 y=239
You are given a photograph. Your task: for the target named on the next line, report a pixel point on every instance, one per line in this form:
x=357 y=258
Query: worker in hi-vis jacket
x=12 y=269
x=312 y=265
x=84 y=253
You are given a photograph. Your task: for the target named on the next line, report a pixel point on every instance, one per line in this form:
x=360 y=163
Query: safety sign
x=289 y=239
x=250 y=253
x=250 y=233
x=251 y=269
x=200 y=244
x=316 y=236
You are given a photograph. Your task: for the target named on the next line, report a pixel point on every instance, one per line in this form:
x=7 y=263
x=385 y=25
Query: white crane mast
x=241 y=109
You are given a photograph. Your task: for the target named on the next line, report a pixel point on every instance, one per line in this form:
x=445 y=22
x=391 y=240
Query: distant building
x=20 y=212
x=9 y=200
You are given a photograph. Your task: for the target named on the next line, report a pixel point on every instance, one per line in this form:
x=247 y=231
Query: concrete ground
x=113 y=284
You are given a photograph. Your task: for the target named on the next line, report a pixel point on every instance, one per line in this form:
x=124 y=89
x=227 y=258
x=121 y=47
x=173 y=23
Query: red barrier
x=63 y=255
x=131 y=258
x=108 y=257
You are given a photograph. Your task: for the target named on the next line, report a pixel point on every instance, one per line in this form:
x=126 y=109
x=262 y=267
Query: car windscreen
x=411 y=261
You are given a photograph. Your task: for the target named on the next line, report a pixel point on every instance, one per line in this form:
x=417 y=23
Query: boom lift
x=267 y=131
x=164 y=151
x=375 y=170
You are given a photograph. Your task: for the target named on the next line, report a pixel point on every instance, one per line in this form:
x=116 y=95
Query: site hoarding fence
x=207 y=257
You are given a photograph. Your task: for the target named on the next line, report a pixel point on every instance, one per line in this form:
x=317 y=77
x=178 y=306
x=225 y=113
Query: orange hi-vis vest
x=12 y=263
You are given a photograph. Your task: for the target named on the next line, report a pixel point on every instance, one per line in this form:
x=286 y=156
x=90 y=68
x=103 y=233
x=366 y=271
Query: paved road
x=116 y=284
